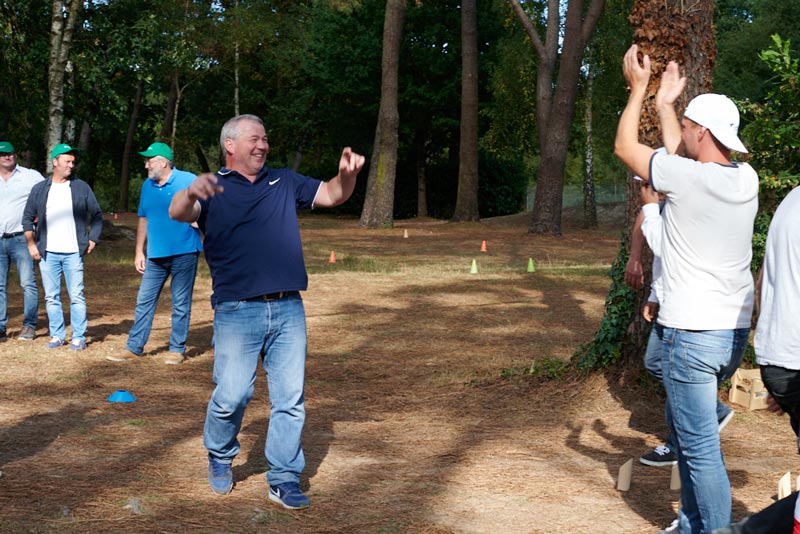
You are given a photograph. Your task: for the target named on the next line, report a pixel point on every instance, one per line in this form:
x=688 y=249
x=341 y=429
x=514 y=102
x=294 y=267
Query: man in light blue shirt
x=15 y=185
x=172 y=250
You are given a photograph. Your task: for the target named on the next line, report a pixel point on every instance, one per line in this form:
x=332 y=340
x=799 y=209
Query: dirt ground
x=416 y=422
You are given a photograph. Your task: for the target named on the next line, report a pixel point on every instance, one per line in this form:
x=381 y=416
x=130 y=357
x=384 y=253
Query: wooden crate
x=748 y=390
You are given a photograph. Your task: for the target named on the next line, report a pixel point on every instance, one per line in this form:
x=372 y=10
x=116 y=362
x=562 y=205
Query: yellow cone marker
x=531 y=268
x=474 y=268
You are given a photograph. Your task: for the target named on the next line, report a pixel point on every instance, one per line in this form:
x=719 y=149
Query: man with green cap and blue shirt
x=15 y=185
x=172 y=250
x=62 y=222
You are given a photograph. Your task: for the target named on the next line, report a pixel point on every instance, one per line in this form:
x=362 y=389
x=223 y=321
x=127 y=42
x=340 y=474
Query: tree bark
x=125 y=172
x=169 y=110
x=589 y=197
x=378 y=210
x=467 y=198
x=63 y=20
x=671 y=30
x=422 y=179
x=555 y=99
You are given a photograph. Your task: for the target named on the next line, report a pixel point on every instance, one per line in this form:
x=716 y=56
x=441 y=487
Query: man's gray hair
x=230 y=130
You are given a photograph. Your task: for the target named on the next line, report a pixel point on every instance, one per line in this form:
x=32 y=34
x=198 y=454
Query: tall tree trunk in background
x=378 y=210
x=422 y=185
x=561 y=55
x=84 y=140
x=589 y=197
x=125 y=172
x=666 y=30
x=467 y=199
x=169 y=111
x=62 y=25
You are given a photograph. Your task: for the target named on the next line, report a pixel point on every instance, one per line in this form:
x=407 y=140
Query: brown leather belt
x=268 y=297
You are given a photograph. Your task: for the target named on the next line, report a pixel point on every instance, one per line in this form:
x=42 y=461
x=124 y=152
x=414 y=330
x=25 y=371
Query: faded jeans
x=693 y=365
x=652 y=362
x=182 y=268
x=71 y=266
x=16 y=249
x=247 y=333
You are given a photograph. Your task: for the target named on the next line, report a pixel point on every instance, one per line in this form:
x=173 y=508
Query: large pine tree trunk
x=378 y=210
x=62 y=25
x=467 y=198
x=666 y=30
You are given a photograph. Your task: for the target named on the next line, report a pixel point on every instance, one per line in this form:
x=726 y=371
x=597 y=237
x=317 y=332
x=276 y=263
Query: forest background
x=137 y=71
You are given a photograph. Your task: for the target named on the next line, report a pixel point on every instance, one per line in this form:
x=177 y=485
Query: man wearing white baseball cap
x=707 y=286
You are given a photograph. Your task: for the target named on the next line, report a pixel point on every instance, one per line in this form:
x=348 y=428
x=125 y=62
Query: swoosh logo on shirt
x=273 y=182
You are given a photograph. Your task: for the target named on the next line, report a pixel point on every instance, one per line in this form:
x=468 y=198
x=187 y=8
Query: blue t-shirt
x=165 y=236
x=252 y=237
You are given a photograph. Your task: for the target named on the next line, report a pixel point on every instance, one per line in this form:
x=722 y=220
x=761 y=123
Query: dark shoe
x=55 y=343
x=220 y=476
x=27 y=333
x=660 y=457
x=124 y=356
x=2 y=334
x=288 y=495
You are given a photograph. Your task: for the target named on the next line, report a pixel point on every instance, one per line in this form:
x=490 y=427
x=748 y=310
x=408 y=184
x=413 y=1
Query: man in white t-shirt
x=62 y=222
x=707 y=298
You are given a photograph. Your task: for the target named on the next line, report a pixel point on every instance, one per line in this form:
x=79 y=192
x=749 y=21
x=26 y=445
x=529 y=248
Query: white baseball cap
x=719 y=114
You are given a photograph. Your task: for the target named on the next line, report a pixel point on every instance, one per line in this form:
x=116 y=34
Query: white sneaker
x=673 y=528
x=725 y=420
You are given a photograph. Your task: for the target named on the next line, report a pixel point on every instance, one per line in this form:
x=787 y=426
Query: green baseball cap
x=158 y=149
x=7 y=148
x=63 y=148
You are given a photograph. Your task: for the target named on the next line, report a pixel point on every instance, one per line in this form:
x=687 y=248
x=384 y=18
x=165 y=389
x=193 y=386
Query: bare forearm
x=141 y=235
x=183 y=208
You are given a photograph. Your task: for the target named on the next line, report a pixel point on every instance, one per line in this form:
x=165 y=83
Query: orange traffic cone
x=405 y=234
x=332 y=259
x=483 y=246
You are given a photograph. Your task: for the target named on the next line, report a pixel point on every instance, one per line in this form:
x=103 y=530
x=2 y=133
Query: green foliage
x=503 y=184
x=773 y=134
x=605 y=349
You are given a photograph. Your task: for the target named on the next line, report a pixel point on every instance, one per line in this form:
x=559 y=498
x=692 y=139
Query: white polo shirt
x=706 y=242
x=13 y=196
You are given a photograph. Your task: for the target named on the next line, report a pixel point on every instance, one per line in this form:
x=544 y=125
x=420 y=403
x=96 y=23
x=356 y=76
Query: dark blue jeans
x=182 y=268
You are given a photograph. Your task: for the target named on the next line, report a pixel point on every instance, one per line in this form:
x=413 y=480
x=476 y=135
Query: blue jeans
x=16 y=249
x=652 y=362
x=183 y=268
x=71 y=265
x=246 y=333
x=693 y=364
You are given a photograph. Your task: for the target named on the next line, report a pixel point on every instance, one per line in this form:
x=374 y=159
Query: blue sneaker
x=77 y=344
x=220 y=476
x=55 y=343
x=288 y=495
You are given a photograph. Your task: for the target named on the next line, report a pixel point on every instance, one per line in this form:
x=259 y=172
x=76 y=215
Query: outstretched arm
x=185 y=206
x=670 y=89
x=627 y=147
x=340 y=187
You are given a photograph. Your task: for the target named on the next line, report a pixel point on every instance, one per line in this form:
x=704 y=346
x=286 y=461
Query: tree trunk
x=125 y=172
x=589 y=198
x=378 y=210
x=555 y=99
x=169 y=111
x=422 y=186
x=62 y=25
x=666 y=31
x=467 y=199
x=84 y=140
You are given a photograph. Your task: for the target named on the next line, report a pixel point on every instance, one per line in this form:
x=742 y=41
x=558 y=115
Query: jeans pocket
x=701 y=357
x=228 y=306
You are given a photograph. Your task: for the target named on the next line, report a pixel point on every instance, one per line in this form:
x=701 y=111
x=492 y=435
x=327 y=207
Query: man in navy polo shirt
x=248 y=214
x=172 y=250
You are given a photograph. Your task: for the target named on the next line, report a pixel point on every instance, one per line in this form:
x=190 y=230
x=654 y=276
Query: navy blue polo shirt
x=252 y=237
